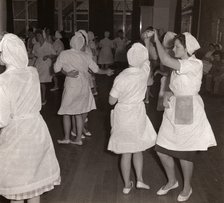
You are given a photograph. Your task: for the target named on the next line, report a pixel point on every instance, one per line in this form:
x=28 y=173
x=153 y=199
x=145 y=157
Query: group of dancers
x=25 y=141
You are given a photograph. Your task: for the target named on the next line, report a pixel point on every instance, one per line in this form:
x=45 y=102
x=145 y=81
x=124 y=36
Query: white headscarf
x=191 y=43
x=168 y=39
x=58 y=35
x=77 y=41
x=14 y=52
x=137 y=54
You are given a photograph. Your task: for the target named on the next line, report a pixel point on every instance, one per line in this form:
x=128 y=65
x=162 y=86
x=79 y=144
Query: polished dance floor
x=90 y=173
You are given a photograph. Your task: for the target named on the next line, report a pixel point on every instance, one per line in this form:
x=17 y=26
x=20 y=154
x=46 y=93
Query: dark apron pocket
x=184 y=110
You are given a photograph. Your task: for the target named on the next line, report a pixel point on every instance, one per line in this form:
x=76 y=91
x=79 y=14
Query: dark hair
x=149 y=28
x=30 y=29
x=120 y=31
x=85 y=40
x=212 y=44
x=39 y=31
x=162 y=37
x=217 y=53
x=181 y=38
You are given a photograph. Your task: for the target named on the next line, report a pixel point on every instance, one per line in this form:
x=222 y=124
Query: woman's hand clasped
x=45 y=58
x=110 y=72
x=73 y=74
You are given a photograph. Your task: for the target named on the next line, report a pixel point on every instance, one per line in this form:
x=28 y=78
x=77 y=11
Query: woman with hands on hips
x=185 y=128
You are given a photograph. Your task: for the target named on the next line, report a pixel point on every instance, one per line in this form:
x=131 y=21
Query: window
x=24 y=15
x=122 y=16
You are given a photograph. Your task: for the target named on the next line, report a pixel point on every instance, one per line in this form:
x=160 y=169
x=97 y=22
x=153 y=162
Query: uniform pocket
x=184 y=110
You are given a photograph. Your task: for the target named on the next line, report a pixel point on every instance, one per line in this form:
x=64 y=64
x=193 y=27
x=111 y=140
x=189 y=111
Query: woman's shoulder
x=192 y=60
x=195 y=61
x=123 y=75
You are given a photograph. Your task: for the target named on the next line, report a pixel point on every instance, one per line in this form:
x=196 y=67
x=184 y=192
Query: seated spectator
x=219 y=78
x=218 y=47
x=208 y=58
x=208 y=55
x=215 y=71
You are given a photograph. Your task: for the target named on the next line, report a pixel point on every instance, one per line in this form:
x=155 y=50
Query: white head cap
x=137 y=54
x=191 y=43
x=77 y=41
x=14 y=52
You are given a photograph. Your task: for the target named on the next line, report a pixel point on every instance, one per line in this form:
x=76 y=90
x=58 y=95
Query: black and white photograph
x=111 y=101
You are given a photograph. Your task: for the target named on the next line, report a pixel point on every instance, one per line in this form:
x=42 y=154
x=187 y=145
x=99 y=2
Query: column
x=135 y=34
x=45 y=10
x=101 y=16
x=3 y=15
x=60 y=16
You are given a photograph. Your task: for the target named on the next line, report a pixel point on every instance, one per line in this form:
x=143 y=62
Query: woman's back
x=23 y=90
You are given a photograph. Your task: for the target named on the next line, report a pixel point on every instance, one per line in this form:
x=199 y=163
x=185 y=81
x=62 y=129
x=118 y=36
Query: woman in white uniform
x=185 y=128
x=106 y=55
x=28 y=163
x=77 y=98
x=132 y=131
x=58 y=47
x=45 y=53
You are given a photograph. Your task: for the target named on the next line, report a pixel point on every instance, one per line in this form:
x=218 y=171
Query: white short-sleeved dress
x=43 y=66
x=198 y=134
x=105 y=54
x=77 y=97
x=131 y=130
x=28 y=165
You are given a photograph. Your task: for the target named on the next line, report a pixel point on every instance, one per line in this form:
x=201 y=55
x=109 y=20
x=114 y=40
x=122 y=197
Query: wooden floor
x=90 y=174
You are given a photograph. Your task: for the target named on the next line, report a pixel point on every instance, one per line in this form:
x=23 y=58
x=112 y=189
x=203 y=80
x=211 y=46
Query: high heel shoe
x=163 y=191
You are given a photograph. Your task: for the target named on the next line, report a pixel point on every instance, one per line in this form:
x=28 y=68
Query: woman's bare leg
x=126 y=168
x=187 y=169
x=34 y=200
x=67 y=126
x=79 y=124
x=43 y=92
x=169 y=166
x=138 y=165
x=16 y=201
x=74 y=125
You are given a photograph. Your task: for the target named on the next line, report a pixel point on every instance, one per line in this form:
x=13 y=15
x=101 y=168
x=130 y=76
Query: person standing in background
x=105 y=55
x=58 y=47
x=120 y=46
x=44 y=53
